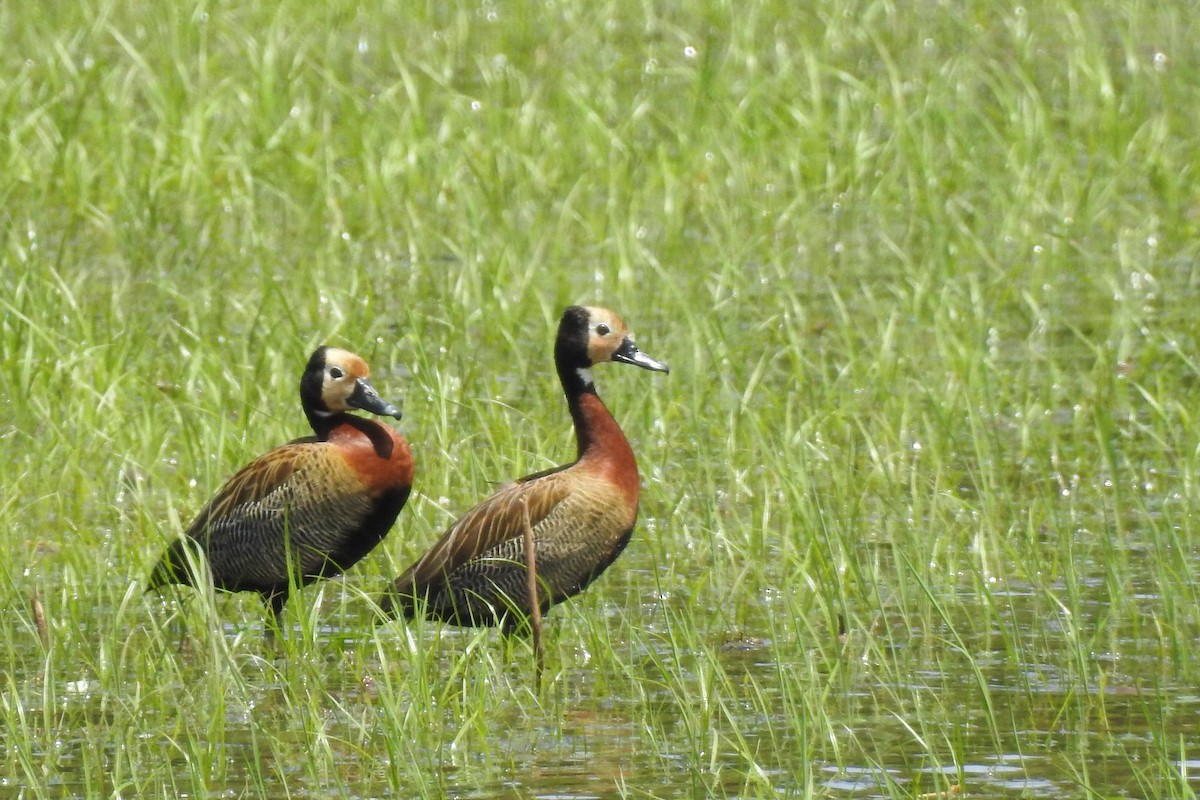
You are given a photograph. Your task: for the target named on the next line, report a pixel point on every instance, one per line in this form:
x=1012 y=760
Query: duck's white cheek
x=598 y=352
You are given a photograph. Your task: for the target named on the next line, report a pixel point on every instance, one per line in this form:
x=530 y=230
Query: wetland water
x=1021 y=630
x=920 y=488
x=984 y=698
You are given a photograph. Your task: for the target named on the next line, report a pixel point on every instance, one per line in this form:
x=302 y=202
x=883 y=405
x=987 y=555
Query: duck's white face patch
x=606 y=331
x=342 y=371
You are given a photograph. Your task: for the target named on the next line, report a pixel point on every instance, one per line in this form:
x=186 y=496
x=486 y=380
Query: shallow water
x=727 y=719
x=1057 y=662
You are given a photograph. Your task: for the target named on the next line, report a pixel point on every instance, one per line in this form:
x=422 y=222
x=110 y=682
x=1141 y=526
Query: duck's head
x=589 y=335
x=335 y=381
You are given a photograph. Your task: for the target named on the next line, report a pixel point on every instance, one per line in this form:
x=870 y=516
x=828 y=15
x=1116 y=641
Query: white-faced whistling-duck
x=314 y=506
x=581 y=514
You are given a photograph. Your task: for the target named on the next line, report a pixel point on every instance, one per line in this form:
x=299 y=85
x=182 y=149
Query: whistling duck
x=581 y=514
x=314 y=506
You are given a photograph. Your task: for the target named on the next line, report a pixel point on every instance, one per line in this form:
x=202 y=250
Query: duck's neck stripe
x=585 y=375
x=322 y=421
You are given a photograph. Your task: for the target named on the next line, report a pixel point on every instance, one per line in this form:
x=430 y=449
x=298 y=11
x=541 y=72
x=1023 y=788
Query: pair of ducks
x=314 y=507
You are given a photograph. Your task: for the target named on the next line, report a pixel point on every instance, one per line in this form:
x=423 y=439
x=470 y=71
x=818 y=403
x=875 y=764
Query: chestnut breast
x=377 y=455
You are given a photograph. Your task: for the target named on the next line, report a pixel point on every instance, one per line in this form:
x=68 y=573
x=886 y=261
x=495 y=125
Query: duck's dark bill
x=629 y=354
x=366 y=398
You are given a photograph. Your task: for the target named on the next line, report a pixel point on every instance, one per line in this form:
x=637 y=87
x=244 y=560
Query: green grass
x=918 y=492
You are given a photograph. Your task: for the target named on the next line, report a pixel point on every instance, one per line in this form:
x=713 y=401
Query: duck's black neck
x=323 y=422
x=577 y=384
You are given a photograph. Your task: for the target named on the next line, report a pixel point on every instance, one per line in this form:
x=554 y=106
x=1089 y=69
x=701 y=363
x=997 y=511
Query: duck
x=581 y=514
x=309 y=509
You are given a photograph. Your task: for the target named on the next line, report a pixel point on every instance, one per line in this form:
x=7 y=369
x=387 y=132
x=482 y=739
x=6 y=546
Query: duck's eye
x=335 y=372
x=603 y=329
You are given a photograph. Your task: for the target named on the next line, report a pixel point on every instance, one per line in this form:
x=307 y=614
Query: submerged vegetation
x=918 y=497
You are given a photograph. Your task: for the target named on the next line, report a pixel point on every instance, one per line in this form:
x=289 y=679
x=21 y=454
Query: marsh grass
x=918 y=492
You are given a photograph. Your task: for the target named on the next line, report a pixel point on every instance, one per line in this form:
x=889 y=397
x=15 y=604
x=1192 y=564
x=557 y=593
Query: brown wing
x=253 y=484
x=296 y=503
x=497 y=519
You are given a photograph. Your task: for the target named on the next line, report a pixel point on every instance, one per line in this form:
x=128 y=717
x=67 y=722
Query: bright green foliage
x=919 y=492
